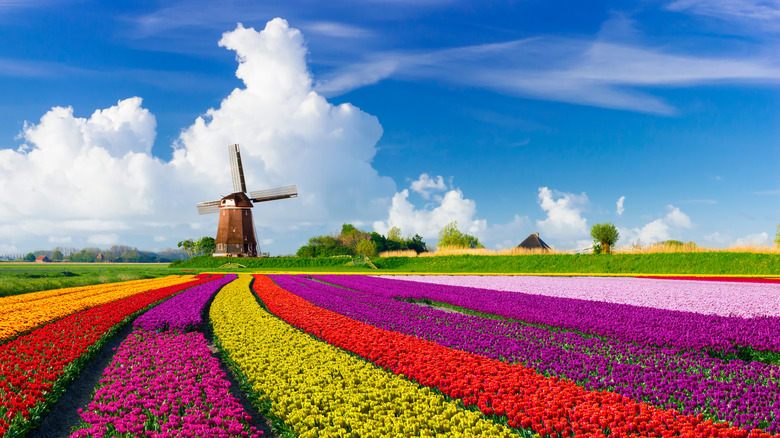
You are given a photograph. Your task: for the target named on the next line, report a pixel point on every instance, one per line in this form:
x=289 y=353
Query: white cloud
x=762 y=14
x=425 y=185
x=103 y=239
x=5 y=248
x=661 y=229
x=429 y=220
x=620 y=208
x=160 y=238
x=758 y=239
x=337 y=30
x=564 y=215
x=601 y=71
x=96 y=175
x=60 y=239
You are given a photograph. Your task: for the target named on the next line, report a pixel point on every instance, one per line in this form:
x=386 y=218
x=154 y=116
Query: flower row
x=164 y=385
x=690 y=382
x=184 y=310
x=547 y=405
x=22 y=317
x=743 y=297
x=32 y=365
x=320 y=390
x=642 y=325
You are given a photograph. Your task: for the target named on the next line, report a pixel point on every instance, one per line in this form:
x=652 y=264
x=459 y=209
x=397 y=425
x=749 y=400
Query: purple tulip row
x=642 y=325
x=164 y=385
x=183 y=310
x=748 y=395
x=741 y=299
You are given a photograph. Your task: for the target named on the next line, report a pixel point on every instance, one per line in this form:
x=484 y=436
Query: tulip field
x=325 y=355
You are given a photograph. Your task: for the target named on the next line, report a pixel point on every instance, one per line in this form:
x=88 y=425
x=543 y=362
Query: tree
x=367 y=248
x=606 y=234
x=394 y=234
x=450 y=236
x=205 y=246
x=30 y=257
x=57 y=256
x=416 y=243
x=188 y=246
x=777 y=236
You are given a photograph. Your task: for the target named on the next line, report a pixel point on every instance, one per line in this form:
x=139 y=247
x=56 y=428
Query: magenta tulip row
x=164 y=385
x=183 y=310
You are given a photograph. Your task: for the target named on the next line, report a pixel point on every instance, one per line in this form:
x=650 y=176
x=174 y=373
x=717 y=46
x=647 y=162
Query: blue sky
x=509 y=117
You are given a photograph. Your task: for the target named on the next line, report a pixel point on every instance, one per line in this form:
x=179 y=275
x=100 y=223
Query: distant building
x=534 y=242
x=42 y=259
x=99 y=258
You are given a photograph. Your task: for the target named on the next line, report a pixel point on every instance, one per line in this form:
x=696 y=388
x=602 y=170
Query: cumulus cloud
x=758 y=239
x=425 y=185
x=661 y=229
x=620 y=208
x=97 y=173
x=430 y=219
x=564 y=214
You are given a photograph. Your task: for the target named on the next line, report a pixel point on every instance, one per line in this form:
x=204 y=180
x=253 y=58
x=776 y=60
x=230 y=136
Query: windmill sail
x=237 y=169
x=208 y=207
x=274 y=194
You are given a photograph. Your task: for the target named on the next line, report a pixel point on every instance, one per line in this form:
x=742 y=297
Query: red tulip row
x=546 y=405
x=31 y=365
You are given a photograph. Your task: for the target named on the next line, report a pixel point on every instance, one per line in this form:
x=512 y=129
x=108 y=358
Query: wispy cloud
x=336 y=30
x=764 y=14
x=596 y=73
x=37 y=69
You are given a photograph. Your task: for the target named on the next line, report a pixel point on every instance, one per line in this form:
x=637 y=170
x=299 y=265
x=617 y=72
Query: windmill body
x=236 y=230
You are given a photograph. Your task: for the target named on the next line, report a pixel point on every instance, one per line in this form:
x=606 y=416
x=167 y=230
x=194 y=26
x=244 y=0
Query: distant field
x=694 y=263
x=18 y=278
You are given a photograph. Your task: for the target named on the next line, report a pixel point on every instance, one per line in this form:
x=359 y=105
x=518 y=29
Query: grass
x=662 y=263
x=672 y=263
x=19 y=278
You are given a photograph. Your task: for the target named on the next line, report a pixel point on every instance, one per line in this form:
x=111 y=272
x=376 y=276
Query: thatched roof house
x=534 y=242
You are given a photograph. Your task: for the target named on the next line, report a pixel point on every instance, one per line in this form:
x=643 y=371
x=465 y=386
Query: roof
x=41 y=258
x=534 y=242
x=239 y=199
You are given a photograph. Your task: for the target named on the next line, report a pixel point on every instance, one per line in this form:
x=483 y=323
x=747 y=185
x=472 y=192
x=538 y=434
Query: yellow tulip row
x=319 y=390
x=25 y=316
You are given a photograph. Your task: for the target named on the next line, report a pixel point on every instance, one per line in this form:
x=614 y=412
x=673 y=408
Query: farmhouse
x=534 y=242
x=42 y=259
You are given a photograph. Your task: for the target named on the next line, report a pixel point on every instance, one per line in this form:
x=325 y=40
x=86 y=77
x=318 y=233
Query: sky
x=511 y=118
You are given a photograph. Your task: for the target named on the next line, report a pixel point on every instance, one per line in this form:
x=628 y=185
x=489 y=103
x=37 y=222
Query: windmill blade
x=237 y=169
x=273 y=194
x=208 y=207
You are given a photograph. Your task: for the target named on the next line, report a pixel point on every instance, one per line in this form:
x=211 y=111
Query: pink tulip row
x=722 y=298
x=164 y=385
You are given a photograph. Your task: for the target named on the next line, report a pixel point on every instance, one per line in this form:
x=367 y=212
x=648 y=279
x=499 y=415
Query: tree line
x=114 y=254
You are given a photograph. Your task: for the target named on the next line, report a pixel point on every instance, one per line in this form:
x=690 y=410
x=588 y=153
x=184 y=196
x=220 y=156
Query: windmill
x=236 y=229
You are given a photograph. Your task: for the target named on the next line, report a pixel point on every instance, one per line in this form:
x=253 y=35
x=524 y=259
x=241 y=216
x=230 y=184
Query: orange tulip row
x=27 y=316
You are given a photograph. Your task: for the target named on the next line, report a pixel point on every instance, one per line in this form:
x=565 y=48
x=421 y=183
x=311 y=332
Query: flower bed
x=743 y=297
x=320 y=390
x=21 y=316
x=636 y=324
x=34 y=367
x=164 y=385
x=746 y=394
x=184 y=310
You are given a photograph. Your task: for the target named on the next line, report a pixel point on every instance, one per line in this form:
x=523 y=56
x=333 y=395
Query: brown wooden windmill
x=236 y=229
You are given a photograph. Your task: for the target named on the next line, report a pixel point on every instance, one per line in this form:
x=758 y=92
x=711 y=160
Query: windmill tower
x=236 y=229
